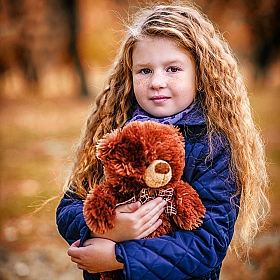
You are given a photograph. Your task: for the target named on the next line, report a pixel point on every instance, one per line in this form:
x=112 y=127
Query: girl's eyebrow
x=141 y=65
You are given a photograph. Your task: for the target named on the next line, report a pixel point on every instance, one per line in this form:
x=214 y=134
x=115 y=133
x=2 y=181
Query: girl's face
x=163 y=76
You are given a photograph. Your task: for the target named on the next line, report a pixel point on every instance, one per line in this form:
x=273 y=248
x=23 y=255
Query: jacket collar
x=195 y=115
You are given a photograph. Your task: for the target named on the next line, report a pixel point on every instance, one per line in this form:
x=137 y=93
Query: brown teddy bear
x=141 y=161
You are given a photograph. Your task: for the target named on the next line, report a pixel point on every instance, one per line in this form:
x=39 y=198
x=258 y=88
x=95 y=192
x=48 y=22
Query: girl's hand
x=135 y=221
x=96 y=255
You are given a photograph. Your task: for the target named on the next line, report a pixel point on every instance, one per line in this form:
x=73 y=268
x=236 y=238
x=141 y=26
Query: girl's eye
x=145 y=71
x=173 y=69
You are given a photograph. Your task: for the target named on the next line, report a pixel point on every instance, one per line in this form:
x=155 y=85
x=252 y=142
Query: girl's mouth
x=159 y=99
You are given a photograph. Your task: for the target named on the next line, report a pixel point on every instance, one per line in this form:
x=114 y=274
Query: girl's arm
x=70 y=219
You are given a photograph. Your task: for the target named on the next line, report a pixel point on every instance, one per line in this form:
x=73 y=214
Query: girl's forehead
x=160 y=42
x=156 y=40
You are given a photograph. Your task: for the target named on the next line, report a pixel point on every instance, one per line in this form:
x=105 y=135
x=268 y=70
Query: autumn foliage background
x=54 y=56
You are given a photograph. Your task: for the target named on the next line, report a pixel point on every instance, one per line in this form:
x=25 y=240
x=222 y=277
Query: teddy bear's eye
x=147 y=164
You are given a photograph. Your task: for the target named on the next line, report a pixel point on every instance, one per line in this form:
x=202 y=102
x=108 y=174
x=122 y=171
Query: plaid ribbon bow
x=167 y=194
x=146 y=196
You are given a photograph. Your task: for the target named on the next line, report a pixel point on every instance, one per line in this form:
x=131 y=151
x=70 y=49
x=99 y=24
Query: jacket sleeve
x=70 y=219
x=191 y=254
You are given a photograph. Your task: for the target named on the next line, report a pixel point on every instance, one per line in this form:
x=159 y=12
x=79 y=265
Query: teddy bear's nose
x=162 y=167
x=158 y=174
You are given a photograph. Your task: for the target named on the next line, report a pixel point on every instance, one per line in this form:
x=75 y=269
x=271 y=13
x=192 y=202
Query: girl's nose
x=158 y=80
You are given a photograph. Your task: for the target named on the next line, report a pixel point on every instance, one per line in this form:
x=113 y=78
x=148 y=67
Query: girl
x=173 y=67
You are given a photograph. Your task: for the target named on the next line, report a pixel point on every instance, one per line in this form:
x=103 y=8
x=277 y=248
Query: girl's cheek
x=173 y=83
x=140 y=83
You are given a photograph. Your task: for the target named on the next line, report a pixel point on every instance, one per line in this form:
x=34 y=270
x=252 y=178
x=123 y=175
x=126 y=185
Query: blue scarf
x=181 y=118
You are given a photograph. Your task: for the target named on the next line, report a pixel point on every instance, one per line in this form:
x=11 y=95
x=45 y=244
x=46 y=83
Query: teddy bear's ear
x=107 y=144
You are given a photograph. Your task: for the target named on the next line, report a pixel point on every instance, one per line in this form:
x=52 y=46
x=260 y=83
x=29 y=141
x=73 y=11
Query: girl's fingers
x=82 y=267
x=151 y=220
x=128 y=208
x=151 y=229
x=76 y=260
x=74 y=252
x=152 y=209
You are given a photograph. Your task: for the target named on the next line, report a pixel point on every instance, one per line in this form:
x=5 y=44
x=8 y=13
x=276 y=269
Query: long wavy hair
x=224 y=100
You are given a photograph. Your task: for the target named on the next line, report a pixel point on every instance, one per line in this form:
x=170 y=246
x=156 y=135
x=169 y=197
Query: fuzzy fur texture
x=126 y=153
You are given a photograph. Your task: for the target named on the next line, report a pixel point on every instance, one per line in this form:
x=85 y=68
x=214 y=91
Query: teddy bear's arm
x=99 y=209
x=190 y=210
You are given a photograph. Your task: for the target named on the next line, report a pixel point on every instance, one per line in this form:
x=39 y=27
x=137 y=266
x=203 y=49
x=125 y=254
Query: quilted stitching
x=70 y=219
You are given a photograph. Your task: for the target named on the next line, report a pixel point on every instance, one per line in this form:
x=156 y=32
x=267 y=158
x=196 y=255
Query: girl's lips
x=158 y=99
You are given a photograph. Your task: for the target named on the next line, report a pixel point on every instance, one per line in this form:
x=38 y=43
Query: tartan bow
x=145 y=195
x=167 y=194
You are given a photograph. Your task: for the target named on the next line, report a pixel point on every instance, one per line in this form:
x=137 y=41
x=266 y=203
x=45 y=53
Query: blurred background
x=54 y=56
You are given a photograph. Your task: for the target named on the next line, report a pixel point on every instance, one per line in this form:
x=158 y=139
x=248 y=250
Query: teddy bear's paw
x=100 y=227
x=98 y=219
x=188 y=222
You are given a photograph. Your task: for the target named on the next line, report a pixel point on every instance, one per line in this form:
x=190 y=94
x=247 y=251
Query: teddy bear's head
x=147 y=153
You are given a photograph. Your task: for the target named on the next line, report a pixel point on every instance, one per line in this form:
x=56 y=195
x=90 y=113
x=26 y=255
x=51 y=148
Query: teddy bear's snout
x=158 y=174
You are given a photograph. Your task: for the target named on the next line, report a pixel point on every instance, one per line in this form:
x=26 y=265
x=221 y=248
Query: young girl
x=173 y=67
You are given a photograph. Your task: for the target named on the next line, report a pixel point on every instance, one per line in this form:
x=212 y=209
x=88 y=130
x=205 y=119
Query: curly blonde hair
x=223 y=96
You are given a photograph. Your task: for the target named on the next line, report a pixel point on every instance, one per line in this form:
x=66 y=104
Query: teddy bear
x=142 y=161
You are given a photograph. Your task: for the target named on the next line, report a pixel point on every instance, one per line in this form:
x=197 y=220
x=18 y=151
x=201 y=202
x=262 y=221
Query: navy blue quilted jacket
x=196 y=254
